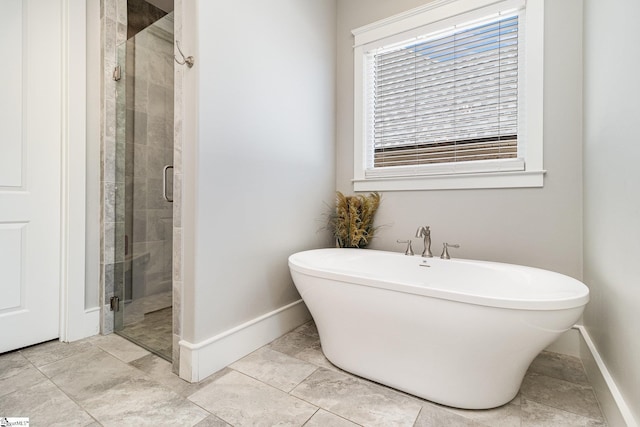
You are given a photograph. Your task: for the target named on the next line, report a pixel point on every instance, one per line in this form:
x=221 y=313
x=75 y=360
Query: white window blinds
x=446 y=98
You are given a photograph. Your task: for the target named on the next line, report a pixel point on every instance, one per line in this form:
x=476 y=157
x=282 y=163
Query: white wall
x=263 y=158
x=80 y=160
x=611 y=193
x=538 y=227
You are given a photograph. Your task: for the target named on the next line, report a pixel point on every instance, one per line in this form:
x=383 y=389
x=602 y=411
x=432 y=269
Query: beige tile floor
x=106 y=380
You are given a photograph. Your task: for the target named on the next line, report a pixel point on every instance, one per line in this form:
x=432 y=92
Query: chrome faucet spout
x=425 y=232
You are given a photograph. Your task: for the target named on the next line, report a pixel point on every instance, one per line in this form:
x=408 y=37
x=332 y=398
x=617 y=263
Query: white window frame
x=431 y=17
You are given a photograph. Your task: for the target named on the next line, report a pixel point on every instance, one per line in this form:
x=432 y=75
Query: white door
x=30 y=168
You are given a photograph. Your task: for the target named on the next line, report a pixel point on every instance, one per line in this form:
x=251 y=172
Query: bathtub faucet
x=409 y=250
x=426 y=233
x=445 y=252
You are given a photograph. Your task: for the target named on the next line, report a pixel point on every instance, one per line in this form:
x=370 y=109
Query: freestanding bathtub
x=461 y=333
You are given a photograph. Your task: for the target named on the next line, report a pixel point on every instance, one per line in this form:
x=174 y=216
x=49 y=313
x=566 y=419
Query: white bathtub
x=461 y=333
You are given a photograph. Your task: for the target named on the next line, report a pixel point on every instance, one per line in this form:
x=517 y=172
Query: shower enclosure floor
x=153 y=332
x=136 y=309
x=147 y=321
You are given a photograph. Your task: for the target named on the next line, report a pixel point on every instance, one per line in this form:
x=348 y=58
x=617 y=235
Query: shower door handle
x=164 y=184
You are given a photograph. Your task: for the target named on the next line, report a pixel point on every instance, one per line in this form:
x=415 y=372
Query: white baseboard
x=199 y=360
x=613 y=405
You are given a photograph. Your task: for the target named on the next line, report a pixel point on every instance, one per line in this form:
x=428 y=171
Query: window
x=443 y=98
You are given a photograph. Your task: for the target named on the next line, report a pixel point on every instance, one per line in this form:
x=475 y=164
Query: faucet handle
x=445 y=252
x=409 y=250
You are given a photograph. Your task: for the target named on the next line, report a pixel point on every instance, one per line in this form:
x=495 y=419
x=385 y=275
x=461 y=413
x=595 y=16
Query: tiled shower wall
x=113 y=17
x=177 y=194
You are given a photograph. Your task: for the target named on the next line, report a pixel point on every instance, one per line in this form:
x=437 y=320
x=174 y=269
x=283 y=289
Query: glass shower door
x=144 y=139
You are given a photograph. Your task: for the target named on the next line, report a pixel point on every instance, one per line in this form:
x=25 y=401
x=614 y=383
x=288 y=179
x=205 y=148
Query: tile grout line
x=367 y=381
x=62 y=391
x=417 y=416
x=166 y=387
x=307 y=377
x=288 y=394
x=312 y=415
x=65 y=393
x=261 y=382
x=568 y=412
x=584 y=387
x=117 y=359
x=594 y=392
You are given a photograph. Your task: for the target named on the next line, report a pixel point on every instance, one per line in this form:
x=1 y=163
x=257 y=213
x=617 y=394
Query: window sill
x=519 y=179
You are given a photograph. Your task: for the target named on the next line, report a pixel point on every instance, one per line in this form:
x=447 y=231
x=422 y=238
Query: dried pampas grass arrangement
x=352 y=221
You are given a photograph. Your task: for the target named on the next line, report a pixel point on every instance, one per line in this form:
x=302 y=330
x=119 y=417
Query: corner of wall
x=568 y=343
x=612 y=403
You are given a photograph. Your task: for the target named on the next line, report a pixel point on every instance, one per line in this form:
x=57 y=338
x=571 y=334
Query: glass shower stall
x=144 y=155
